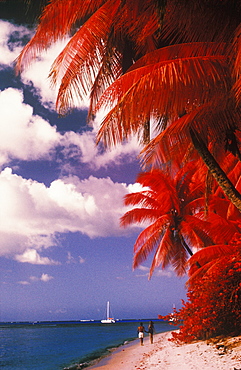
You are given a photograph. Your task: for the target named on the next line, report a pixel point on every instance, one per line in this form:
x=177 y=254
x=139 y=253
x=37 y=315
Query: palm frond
x=195 y=232
x=200 y=21
x=139 y=215
x=56 y=22
x=208 y=255
x=141 y=21
x=174 y=82
x=168 y=149
x=213 y=121
x=222 y=230
x=162 y=188
x=180 y=257
x=148 y=238
x=169 y=251
x=82 y=58
x=236 y=49
x=183 y=50
x=144 y=198
x=196 y=272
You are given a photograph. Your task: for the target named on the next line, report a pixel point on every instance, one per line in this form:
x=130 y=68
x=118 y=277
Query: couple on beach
x=141 y=330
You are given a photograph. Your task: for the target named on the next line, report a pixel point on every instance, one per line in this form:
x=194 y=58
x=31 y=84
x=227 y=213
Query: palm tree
x=113 y=34
x=183 y=107
x=172 y=209
x=171 y=63
x=225 y=226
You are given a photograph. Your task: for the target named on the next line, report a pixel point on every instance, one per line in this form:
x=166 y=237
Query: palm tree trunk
x=189 y=251
x=146 y=133
x=223 y=181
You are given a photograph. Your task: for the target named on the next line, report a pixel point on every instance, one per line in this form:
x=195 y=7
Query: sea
x=62 y=345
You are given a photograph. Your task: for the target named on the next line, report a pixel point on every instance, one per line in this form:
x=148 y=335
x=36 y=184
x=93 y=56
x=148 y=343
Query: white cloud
x=115 y=154
x=11 y=42
x=32 y=256
x=60 y=310
x=167 y=272
x=71 y=259
x=157 y=272
x=23 y=135
x=12 y=38
x=81 y=259
x=32 y=213
x=24 y=282
x=37 y=75
x=27 y=137
x=45 y=278
x=33 y=279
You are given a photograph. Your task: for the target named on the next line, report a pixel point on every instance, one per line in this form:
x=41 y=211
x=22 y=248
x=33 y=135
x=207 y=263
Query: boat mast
x=108 y=309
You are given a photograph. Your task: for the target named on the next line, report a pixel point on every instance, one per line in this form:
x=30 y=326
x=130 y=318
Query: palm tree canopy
x=172 y=214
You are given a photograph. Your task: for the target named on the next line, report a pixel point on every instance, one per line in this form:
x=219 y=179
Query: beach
x=221 y=354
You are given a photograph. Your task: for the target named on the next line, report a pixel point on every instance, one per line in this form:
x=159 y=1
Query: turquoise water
x=59 y=345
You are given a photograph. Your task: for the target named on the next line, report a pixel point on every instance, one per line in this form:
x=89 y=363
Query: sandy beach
x=163 y=354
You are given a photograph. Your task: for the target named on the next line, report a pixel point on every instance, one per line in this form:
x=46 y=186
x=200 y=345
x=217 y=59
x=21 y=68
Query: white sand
x=163 y=354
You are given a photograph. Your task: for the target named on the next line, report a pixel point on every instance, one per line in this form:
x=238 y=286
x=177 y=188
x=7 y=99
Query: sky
x=63 y=254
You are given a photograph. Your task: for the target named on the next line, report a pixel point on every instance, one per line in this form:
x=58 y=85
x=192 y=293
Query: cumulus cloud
x=32 y=213
x=28 y=137
x=23 y=135
x=37 y=74
x=83 y=148
x=12 y=40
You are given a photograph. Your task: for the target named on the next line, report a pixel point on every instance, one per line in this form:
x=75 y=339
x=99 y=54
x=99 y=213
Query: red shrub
x=214 y=302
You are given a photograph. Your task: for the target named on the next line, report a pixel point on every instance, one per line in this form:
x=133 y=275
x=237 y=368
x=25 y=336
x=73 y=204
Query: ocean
x=63 y=345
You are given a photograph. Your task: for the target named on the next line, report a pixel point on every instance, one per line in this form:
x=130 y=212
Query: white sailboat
x=108 y=320
x=172 y=315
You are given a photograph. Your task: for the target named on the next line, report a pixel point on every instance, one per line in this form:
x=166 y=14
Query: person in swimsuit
x=140 y=331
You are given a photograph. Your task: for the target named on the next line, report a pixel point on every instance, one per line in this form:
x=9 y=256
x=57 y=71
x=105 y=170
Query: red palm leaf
x=175 y=82
x=149 y=238
x=57 y=20
x=173 y=222
x=82 y=58
x=139 y=215
x=208 y=256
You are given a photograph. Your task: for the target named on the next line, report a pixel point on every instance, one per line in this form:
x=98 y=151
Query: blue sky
x=63 y=254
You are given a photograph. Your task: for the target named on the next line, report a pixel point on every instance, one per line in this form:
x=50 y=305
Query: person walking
x=140 y=331
x=151 y=331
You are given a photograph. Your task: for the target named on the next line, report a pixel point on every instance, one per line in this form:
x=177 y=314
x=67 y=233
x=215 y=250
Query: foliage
x=214 y=301
x=171 y=208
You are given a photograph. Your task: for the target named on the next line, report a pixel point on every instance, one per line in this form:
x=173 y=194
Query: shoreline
x=223 y=354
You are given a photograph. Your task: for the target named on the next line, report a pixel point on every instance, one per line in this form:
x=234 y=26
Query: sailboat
x=108 y=320
x=172 y=315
